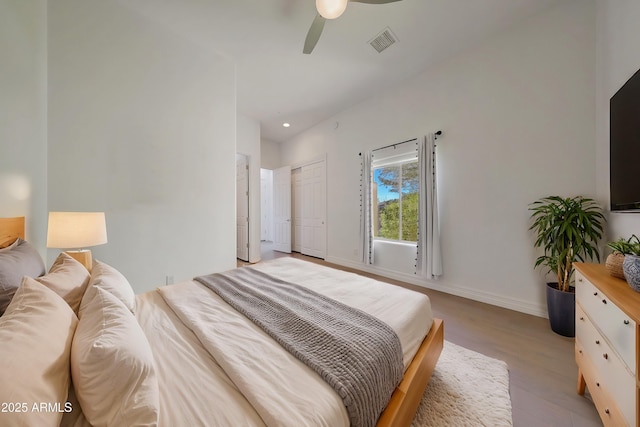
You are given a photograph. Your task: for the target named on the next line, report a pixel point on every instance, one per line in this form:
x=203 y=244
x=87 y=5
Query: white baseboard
x=472 y=294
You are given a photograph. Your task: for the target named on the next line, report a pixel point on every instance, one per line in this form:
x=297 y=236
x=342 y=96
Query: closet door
x=314 y=201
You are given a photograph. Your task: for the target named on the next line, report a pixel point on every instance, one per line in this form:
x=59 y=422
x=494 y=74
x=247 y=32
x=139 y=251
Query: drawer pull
x=606 y=356
x=580 y=279
x=606 y=411
x=597 y=384
x=581 y=317
x=597 y=341
x=595 y=294
x=626 y=322
x=604 y=301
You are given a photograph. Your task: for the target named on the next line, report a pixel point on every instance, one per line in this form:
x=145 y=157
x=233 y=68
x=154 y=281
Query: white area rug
x=466 y=389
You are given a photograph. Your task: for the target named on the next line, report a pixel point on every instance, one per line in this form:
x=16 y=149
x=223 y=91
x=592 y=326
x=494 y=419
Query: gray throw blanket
x=354 y=352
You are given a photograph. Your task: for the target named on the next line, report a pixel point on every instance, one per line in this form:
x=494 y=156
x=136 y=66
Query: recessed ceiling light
x=286 y=125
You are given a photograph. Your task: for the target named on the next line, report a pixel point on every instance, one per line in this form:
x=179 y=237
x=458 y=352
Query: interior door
x=242 y=208
x=314 y=201
x=266 y=195
x=296 y=204
x=282 y=209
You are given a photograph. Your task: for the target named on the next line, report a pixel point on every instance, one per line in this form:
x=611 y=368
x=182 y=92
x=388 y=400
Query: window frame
x=400 y=164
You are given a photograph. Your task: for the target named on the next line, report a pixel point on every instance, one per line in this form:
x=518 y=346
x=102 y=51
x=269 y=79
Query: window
x=395 y=201
x=399 y=207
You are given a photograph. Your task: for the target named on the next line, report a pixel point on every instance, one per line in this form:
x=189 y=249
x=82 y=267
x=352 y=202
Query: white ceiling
x=276 y=82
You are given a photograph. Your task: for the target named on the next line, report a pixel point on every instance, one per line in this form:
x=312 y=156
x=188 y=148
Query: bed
x=191 y=358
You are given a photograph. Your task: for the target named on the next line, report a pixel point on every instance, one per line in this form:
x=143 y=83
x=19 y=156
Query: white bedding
x=215 y=367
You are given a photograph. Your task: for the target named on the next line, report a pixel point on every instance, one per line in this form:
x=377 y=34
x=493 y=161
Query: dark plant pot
x=562 y=310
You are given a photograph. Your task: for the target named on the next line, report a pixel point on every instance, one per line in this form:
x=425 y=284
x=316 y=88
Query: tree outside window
x=395 y=202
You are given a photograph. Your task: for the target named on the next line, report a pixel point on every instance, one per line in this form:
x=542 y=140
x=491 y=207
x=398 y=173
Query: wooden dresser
x=607 y=339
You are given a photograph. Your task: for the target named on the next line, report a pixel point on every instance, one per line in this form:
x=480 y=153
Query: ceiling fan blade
x=314 y=34
x=374 y=1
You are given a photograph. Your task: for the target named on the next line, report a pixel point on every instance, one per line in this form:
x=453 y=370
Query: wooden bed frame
x=405 y=399
x=10 y=230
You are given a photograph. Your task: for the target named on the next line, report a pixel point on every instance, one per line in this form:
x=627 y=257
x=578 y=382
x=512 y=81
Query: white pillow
x=112 y=364
x=35 y=335
x=108 y=278
x=68 y=278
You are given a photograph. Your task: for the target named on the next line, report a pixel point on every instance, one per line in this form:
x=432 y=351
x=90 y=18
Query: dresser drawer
x=613 y=376
x=612 y=322
x=606 y=405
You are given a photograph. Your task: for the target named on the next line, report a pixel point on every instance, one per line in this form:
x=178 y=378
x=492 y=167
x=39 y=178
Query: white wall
x=142 y=125
x=270 y=152
x=618 y=58
x=517 y=114
x=248 y=143
x=23 y=115
x=394 y=257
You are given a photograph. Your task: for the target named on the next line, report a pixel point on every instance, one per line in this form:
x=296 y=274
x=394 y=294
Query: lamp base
x=83 y=257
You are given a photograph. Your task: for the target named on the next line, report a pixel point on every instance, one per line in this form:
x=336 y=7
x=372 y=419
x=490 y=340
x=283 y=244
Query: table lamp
x=76 y=231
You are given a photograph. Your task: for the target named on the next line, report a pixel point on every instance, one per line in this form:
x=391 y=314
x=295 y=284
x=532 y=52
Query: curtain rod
x=438 y=133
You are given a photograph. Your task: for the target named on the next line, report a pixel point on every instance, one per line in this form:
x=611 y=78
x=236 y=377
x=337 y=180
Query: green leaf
x=568 y=229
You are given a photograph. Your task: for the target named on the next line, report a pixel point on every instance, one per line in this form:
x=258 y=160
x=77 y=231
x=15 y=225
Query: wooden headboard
x=10 y=230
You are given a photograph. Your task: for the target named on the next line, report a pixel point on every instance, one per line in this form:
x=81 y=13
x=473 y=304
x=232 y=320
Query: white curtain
x=429 y=254
x=366 y=232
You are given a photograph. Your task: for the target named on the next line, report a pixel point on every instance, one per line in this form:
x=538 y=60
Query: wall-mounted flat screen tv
x=624 y=146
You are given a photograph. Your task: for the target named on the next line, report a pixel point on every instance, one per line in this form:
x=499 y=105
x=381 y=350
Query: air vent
x=383 y=40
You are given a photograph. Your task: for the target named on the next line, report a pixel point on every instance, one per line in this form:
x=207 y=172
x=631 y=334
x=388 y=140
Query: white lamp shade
x=74 y=230
x=331 y=9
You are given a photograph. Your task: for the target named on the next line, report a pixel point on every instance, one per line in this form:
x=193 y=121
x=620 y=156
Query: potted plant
x=620 y=247
x=568 y=230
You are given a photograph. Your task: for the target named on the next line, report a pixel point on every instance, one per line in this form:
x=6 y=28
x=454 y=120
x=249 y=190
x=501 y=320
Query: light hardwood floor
x=542 y=368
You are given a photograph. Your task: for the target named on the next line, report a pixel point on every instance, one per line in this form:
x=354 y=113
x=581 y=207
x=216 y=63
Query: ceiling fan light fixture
x=331 y=9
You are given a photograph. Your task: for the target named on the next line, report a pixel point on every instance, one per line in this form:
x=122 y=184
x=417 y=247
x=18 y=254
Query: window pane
x=410 y=193
x=386 y=202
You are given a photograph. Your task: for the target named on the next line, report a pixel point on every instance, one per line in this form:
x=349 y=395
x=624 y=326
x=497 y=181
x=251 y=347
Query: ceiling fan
x=330 y=9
